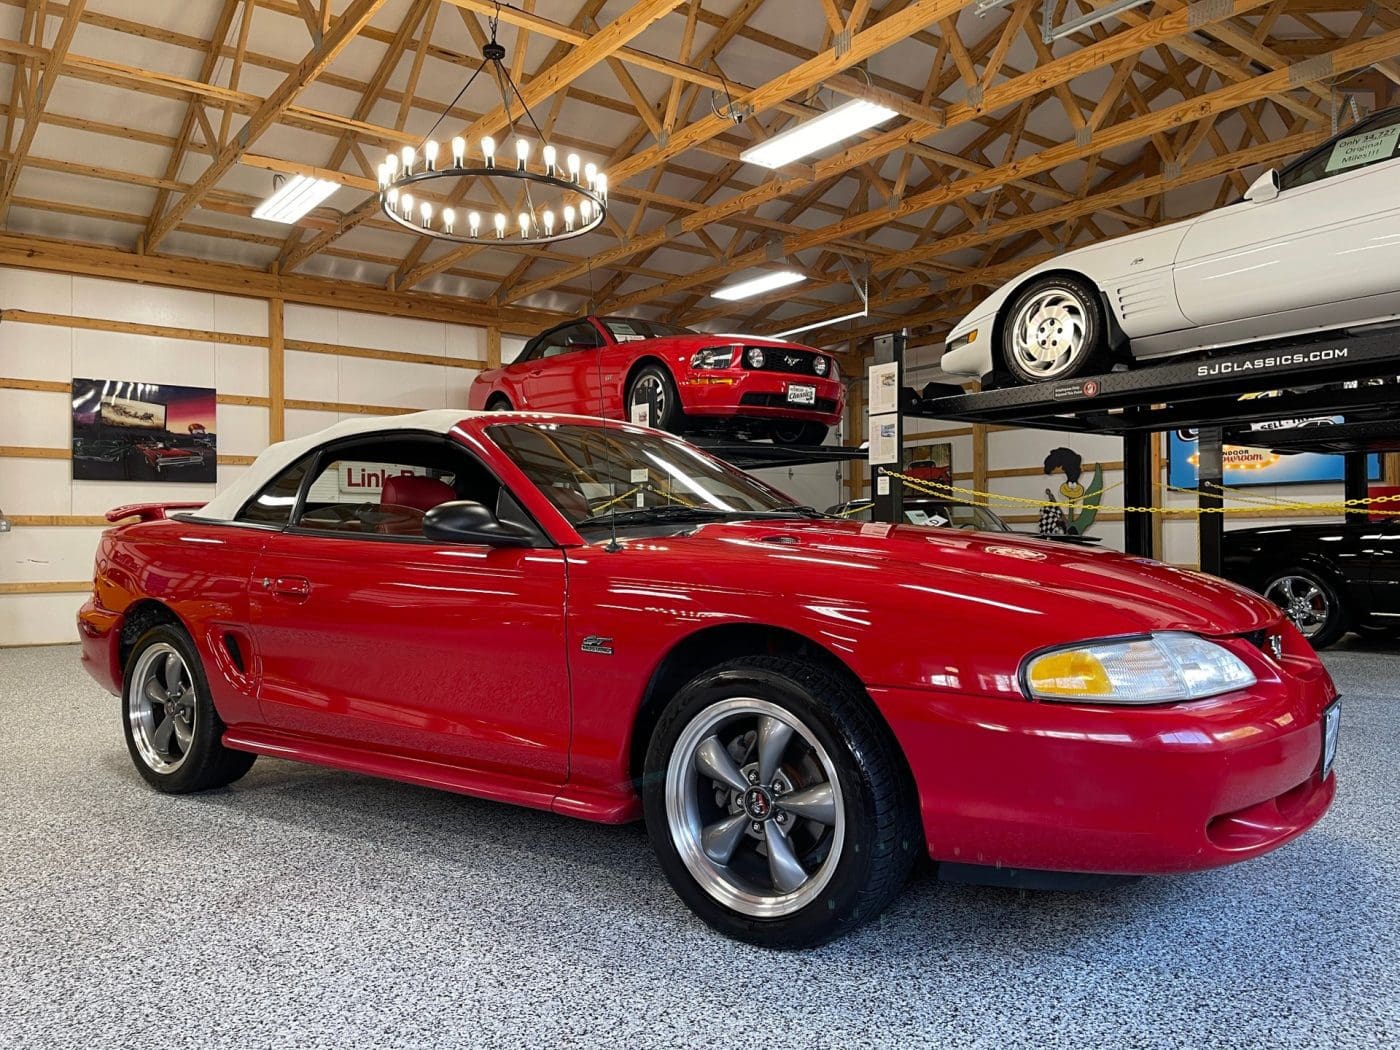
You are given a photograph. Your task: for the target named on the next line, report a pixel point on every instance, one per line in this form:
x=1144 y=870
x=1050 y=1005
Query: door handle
x=298 y=588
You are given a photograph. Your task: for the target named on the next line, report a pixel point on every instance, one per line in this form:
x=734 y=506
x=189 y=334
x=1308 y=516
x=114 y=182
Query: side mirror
x=466 y=521
x=1264 y=188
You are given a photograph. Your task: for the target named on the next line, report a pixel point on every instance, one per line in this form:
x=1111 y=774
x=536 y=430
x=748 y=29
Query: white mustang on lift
x=1314 y=247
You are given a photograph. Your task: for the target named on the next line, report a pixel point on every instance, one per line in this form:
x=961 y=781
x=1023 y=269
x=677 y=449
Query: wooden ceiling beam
x=355 y=17
x=34 y=111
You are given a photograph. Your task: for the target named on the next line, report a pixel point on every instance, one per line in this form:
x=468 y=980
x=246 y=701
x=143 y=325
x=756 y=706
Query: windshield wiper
x=686 y=514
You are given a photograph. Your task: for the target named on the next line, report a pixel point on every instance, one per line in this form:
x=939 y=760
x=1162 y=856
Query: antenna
x=612 y=546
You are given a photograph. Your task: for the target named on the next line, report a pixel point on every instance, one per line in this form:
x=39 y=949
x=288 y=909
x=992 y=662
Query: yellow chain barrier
x=985 y=499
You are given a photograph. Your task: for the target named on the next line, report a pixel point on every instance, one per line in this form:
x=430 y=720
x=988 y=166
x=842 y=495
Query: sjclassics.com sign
x=1266 y=362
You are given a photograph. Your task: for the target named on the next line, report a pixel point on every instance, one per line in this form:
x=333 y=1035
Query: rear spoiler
x=148 y=511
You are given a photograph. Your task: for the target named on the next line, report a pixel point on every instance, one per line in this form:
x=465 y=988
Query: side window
x=1372 y=142
x=274 y=504
x=385 y=487
x=579 y=336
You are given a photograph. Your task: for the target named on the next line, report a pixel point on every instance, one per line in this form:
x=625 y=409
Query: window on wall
x=384 y=487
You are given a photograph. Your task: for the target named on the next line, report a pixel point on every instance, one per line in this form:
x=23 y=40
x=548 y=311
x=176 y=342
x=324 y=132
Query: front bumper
x=1132 y=791
x=973 y=358
x=760 y=394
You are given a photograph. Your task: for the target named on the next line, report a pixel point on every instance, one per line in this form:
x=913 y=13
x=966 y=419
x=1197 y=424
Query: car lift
x=752 y=455
x=1329 y=375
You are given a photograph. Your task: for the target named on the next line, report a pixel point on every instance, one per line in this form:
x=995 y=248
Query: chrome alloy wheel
x=1302 y=601
x=1048 y=332
x=161 y=709
x=754 y=807
x=649 y=390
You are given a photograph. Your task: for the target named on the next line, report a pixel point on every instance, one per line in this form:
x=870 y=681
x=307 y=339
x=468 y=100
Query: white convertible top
x=275 y=458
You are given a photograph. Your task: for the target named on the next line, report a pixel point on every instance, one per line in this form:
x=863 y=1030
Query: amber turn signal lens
x=1073 y=672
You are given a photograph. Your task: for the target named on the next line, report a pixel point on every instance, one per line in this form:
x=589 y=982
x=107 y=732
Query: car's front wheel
x=172 y=730
x=778 y=805
x=1312 y=602
x=653 y=390
x=498 y=403
x=1054 y=330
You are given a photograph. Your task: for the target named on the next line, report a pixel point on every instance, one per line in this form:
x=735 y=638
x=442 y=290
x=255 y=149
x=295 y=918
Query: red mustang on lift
x=602 y=620
x=671 y=378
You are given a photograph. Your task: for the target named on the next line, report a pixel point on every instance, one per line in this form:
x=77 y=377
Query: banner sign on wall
x=128 y=431
x=1246 y=465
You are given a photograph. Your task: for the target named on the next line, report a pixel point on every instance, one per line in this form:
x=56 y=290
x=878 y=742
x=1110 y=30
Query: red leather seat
x=413 y=490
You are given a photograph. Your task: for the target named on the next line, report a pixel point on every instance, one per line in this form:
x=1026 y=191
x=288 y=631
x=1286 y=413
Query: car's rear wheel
x=172 y=730
x=1312 y=602
x=778 y=806
x=498 y=403
x=653 y=388
x=1054 y=330
x=789 y=433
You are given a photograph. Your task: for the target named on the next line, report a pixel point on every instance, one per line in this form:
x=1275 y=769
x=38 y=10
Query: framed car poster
x=129 y=431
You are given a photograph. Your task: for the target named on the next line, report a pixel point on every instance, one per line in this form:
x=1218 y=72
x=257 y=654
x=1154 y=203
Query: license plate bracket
x=801 y=394
x=1331 y=723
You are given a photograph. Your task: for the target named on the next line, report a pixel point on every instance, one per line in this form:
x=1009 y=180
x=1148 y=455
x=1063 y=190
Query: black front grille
x=777 y=359
x=823 y=404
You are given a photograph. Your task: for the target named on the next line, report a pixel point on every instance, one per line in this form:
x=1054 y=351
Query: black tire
x=204 y=763
x=1378 y=632
x=1086 y=341
x=786 y=433
x=654 y=387
x=881 y=837
x=498 y=403
x=1322 y=619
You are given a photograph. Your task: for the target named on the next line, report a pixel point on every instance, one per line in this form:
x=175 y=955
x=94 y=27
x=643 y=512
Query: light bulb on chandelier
x=556 y=200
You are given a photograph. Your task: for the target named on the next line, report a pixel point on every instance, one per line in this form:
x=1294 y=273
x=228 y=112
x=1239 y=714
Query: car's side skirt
x=587 y=804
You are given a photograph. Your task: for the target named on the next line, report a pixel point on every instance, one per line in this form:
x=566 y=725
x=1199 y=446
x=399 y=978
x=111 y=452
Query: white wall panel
x=143 y=303
x=36 y=554
x=466 y=342
x=301 y=422
x=393 y=333
x=510 y=348
x=142 y=358
x=47 y=293
x=35 y=486
x=457 y=383
x=235 y=314
x=312 y=324
x=241 y=370
x=35 y=417
x=35 y=351
x=98 y=497
x=39 y=619
x=242 y=430
x=311 y=377
x=369 y=382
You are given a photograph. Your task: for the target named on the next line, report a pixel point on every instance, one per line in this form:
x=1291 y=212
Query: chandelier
x=427 y=190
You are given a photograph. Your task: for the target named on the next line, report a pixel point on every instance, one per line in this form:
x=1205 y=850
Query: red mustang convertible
x=671 y=378
x=599 y=619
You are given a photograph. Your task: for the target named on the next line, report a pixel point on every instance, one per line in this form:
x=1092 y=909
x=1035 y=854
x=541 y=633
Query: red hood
x=1052 y=590
x=701 y=339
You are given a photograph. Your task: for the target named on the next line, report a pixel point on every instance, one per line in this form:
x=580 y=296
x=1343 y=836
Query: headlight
x=714 y=357
x=1153 y=670
x=961 y=340
x=755 y=357
x=819 y=365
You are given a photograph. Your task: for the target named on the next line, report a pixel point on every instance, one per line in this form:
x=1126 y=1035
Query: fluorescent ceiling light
x=862 y=312
x=849 y=118
x=294 y=198
x=765 y=282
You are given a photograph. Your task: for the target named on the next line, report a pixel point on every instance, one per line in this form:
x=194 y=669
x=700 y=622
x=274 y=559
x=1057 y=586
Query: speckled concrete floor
x=312 y=908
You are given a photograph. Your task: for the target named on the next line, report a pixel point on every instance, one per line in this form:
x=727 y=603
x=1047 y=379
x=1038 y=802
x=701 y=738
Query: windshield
x=603 y=476
x=630 y=329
